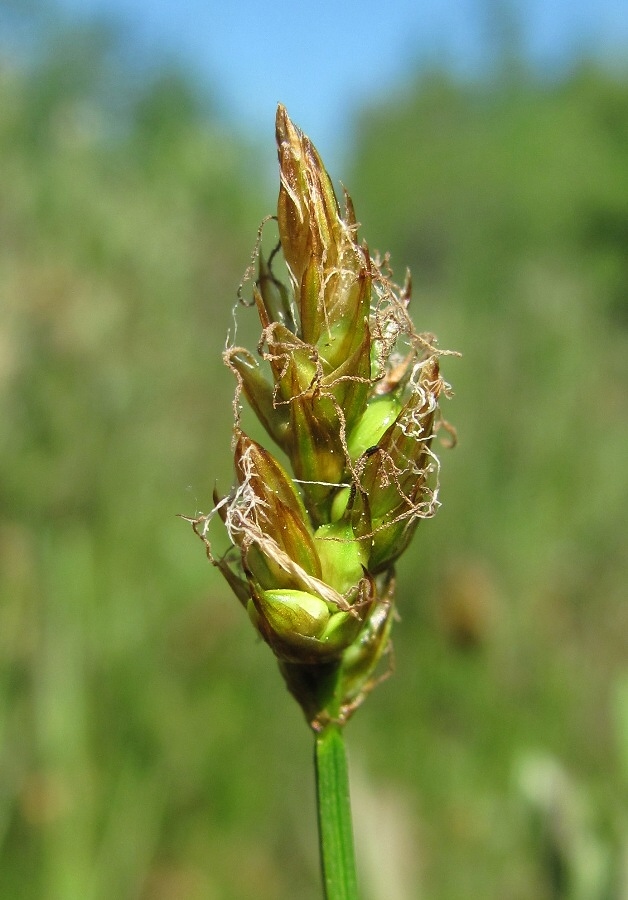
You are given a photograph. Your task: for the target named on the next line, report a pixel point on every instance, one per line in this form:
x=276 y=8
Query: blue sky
x=324 y=57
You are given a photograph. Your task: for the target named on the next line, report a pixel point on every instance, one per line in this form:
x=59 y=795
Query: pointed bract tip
x=285 y=130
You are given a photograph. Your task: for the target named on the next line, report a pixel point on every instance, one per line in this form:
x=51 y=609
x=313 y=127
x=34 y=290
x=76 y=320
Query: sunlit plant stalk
x=349 y=391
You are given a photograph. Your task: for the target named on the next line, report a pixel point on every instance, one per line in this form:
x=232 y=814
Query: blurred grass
x=147 y=747
x=510 y=203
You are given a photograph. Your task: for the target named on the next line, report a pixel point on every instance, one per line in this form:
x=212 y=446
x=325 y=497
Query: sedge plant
x=349 y=391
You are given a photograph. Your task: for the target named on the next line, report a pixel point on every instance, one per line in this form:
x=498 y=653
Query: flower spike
x=349 y=391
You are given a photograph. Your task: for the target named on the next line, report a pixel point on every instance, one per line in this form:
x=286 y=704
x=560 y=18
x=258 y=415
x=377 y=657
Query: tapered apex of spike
x=286 y=132
x=307 y=209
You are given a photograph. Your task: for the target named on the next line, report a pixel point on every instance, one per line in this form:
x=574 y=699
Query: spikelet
x=349 y=391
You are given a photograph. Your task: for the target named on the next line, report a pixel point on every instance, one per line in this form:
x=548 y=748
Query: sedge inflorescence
x=348 y=389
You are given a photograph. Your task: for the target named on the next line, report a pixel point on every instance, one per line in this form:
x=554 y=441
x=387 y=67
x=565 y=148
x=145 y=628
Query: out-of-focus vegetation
x=510 y=203
x=147 y=746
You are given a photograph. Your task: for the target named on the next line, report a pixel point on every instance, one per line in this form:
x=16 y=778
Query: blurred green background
x=148 y=749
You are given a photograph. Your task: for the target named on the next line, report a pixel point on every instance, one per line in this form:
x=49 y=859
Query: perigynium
x=349 y=390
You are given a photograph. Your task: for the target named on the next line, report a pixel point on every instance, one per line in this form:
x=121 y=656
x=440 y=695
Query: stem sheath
x=334 y=816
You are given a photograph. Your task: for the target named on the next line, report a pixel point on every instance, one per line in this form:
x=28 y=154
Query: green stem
x=334 y=815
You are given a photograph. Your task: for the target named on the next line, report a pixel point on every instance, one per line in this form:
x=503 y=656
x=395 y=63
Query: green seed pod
x=343 y=558
x=299 y=627
x=378 y=416
x=293 y=613
x=340 y=631
x=361 y=659
x=339 y=503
